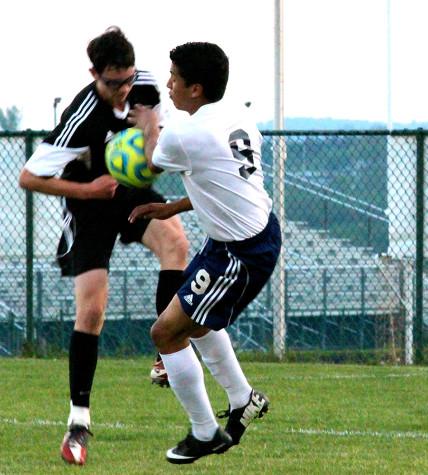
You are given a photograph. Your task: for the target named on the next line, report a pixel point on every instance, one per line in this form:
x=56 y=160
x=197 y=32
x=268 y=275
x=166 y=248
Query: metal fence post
x=420 y=197
x=29 y=240
x=323 y=327
x=278 y=304
x=363 y=307
x=407 y=288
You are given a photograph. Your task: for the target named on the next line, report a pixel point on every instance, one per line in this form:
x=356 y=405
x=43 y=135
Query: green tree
x=10 y=118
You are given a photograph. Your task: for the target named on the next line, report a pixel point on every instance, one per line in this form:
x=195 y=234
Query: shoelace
x=79 y=434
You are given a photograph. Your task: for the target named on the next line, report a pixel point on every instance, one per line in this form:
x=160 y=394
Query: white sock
x=186 y=378
x=79 y=415
x=217 y=353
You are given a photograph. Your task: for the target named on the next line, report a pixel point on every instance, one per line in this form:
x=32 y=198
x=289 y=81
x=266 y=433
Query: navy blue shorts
x=224 y=277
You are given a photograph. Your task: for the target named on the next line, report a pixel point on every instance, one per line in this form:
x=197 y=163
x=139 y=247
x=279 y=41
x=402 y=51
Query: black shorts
x=91 y=227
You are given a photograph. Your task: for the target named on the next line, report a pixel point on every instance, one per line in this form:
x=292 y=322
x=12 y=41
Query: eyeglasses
x=116 y=84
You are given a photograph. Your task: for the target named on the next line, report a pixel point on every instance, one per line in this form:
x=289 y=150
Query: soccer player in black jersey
x=97 y=208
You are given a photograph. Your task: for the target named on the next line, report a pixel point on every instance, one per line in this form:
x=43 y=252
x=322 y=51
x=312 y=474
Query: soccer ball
x=125 y=159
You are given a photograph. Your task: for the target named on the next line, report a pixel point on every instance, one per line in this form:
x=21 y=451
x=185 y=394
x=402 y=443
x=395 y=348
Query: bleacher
x=326 y=278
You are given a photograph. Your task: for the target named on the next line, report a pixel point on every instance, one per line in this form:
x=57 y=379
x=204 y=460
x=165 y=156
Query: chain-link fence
x=350 y=282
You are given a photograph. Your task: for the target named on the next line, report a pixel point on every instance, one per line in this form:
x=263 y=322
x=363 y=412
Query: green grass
x=324 y=419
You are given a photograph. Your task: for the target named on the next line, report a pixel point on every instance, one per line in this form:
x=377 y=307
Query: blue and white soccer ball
x=125 y=159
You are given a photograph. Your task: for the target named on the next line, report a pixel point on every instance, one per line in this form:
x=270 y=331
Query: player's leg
x=245 y=403
x=91 y=289
x=171 y=334
x=233 y=275
x=166 y=239
x=84 y=252
x=218 y=355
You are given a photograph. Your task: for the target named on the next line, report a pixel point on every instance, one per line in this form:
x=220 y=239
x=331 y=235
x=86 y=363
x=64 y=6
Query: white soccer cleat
x=158 y=374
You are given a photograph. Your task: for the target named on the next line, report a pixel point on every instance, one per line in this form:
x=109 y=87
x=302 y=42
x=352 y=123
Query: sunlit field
x=324 y=419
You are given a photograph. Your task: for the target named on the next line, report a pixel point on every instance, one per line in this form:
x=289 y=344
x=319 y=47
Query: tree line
x=10 y=118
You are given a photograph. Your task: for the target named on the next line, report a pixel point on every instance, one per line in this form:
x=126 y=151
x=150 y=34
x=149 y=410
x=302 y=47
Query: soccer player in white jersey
x=97 y=211
x=217 y=152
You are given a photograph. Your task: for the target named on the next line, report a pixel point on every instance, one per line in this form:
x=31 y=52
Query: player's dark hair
x=205 y=64
x=111 y=49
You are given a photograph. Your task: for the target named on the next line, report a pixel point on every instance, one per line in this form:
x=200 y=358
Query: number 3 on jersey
x=240 y=144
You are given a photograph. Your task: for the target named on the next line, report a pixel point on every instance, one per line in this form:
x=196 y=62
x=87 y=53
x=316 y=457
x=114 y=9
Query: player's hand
x=102 y=188
x=143 y=117
x=152 y=211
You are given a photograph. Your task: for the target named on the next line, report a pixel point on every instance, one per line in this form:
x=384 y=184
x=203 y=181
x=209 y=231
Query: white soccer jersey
x=217 y=150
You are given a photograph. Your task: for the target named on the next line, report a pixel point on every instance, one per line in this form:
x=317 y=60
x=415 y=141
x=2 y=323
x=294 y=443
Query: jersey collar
x=122 y=114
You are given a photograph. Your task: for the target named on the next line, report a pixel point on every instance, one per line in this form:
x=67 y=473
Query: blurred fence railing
x=352 y=277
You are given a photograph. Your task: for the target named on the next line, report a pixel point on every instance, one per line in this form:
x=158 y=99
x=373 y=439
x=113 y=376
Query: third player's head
x=113 y=65
x=199 y=75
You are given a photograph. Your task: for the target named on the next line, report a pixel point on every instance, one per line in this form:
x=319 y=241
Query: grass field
x=324 y=419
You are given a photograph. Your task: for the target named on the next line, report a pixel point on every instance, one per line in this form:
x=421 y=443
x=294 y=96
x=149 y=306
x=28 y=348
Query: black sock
x=168 y=284
x=83 y=358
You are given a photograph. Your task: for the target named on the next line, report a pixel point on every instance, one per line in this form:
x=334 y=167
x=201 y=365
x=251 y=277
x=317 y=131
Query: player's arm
x=160 y=210
x=102 y=188
x=39 y=173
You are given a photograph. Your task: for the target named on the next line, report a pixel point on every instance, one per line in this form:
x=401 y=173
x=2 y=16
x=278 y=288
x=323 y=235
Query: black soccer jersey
x=78 y=142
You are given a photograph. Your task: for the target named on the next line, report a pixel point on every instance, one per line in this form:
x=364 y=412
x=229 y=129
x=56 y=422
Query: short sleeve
x=48 y=160
x=169 y=153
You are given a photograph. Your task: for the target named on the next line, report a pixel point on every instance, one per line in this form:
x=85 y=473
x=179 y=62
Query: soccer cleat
x=158 y=374
x=74 y=445
x=240 y=419
x=191 y=449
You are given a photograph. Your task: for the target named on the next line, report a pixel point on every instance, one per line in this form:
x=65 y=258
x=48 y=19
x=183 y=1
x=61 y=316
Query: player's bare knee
x=158 y=334
x=163 y=336
x=174 y=247
x=90 y=319
x=180 y=246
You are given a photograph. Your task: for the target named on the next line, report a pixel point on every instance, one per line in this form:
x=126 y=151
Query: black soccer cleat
x=240 y=419
x=191 y=449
